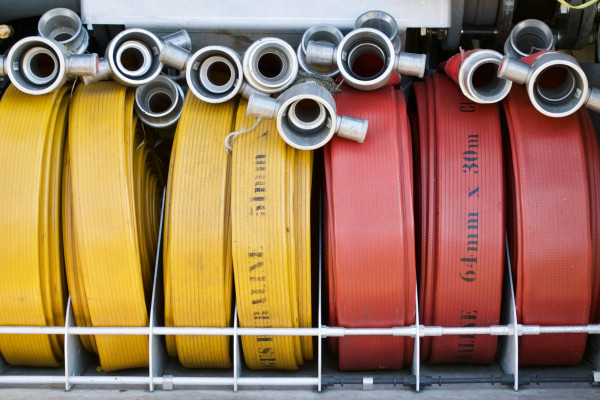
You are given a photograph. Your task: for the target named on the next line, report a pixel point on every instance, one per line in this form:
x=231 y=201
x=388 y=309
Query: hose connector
x=528 y=37
x=133 y=55
x=103 y=73
x=306 y=116
x=476 y=72
x=64 y=26
x=383 y=22
x=37 y=65
x=366 y=58
x=270 y=65
x=159 y=103
x=556 y=84
x=319 y=34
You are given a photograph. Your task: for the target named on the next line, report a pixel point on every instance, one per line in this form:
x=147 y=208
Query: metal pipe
x=478 y=77
x=37 y=65
x=306 y=116
x=64 y=26
x=159 y=103
x=528 y=37
x=270 y=65
x=555 y=83
x=319 y=34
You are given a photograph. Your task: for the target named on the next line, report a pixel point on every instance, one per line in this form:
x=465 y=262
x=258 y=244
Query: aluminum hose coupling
x=159 y=103
x=132 y=57
x=270 y=65
x=528 y=37
x=306 y=116
x=477 y=75
x=383 y=22
x=366 y=58
x=555 y=83
x=214 y=74
x=319 y=33
x=64 y=26
x=37 y=65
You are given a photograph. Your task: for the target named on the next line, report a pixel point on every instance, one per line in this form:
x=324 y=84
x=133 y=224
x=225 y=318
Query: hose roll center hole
x=366 y=60
x=270 y=65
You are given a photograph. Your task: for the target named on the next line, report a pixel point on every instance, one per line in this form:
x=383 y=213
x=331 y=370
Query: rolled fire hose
x=461 y=219
x=270 y=213
x=370 y=231
x=590 y=143
x=32 y=292
x=197 y=243
x=111 y=222
x=548 y=229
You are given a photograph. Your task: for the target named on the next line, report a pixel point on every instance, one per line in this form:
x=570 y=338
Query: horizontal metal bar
x=285 y=381
x=109 y=380
x=32 y=380
x=327 y=331
x=194 y=381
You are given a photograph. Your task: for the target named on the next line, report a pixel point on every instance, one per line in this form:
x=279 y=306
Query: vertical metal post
x=236 y=351
x=76 y=358
x=509 y=345
x=416 y=364
x=320 y=311
x=157 y=353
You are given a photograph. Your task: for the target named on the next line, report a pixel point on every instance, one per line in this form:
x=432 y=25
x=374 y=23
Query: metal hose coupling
x=366 y=58
x=555 y=82
x=476 y=72
x=319 y=33
x=270 y=65
x=159 y=103
x=306 y=116
x=37 y=65
x=528 y=37
x=64 y=26
x=383 y=22
x=133 y=56
x=214 y=74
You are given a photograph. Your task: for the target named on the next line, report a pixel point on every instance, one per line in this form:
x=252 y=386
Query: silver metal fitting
x=37 y=65
x=102 y=74
x=319 y=34
x=214 y=74
x=555 y=82
x=174 y=56
x=366 y=58
x=528 y=37
x=593 y=101
x=134 y=55
x=270 y=65
x=159 y=103
x=478 y=77
x=64 y=26
x=306 y=116
x=383 y=22
x=3 y=66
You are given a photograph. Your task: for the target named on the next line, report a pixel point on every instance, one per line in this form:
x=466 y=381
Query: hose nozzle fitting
x=556 y=84
x=159 y=103
x=64 y=26
x=320 y=34
x=528 y=37
x=306 y=116
x=270 y=65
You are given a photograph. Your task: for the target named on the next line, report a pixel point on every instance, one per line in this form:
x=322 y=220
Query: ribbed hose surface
x=32 y=288
x=197 y=243
x=370 y=231
x=549 y=229
x=461 y=219
x=111 y=221
x=270 y=199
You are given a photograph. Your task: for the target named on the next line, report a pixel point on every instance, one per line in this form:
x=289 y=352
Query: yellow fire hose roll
x=197 y=243
x=270 y=203
x=32 y=289
x=111 y=220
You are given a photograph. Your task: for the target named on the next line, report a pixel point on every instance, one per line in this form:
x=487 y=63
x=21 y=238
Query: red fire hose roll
x=370 y=231
x=549 y=229
x=460 y=219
